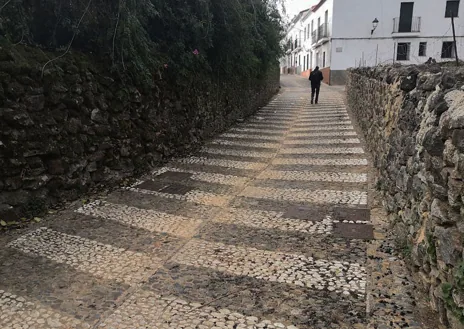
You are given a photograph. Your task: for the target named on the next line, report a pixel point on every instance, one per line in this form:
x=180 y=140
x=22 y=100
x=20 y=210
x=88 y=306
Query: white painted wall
x=316 y=54
x=351 y=31
x=350 y=24
x=295 y=59
x=354 y=18
x=306 y=49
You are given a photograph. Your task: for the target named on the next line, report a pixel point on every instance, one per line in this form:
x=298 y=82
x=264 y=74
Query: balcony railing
x=322 y=31
x=313 y=37
x=406 y=26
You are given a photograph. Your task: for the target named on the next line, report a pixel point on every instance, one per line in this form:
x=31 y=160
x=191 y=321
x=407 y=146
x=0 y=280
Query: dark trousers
x=315 y=90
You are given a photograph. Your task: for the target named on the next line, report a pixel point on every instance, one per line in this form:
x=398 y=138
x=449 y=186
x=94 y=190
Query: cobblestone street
x=268 y=226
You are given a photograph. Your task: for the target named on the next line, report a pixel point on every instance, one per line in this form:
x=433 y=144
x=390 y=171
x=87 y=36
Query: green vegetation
x=148 y=40
x=34 y=207
x=406 y=250
x=457 y=287
x=431 y=249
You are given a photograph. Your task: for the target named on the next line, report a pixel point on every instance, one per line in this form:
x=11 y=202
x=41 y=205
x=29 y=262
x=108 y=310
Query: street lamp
x=375 y=23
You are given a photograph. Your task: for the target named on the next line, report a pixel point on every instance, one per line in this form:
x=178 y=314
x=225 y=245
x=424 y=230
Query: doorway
x=406 y=12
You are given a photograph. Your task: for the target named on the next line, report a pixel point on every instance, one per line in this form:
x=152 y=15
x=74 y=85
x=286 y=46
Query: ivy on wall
x=237 y=40
x=453 y=292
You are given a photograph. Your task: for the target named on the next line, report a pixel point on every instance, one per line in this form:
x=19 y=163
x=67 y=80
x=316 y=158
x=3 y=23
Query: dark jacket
x=316 y=77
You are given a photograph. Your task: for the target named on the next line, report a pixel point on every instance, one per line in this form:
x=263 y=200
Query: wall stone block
x=63 y=133
x=413 y=121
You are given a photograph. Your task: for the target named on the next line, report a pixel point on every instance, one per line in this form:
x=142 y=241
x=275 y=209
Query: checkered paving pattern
x=265 y=227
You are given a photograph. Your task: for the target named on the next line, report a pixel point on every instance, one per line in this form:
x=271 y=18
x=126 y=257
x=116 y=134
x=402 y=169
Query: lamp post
x=454 y=39
x=375 y=23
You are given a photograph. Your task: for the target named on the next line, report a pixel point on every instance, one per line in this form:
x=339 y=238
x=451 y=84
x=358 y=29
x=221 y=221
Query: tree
x=238 y=39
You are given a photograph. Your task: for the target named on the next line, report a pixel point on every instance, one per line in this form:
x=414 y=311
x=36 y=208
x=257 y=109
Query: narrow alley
x=268 y=226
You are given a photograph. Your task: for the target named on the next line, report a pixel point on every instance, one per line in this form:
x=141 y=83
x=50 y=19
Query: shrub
x=147 y=39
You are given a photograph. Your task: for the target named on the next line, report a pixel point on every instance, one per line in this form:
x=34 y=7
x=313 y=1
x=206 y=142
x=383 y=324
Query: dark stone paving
x=352 y=169
x=338 y=156
x=58 y=286
x=354 y=231
x=173 y=207
x=217 y=169
x=214 y=240
x=318 y=246
x=343 y=213
x=245 y=147
x=273 y=205
x=307 y=185
x=305 y=308
x=116 y=234
x=259 y=157
x=314 y=214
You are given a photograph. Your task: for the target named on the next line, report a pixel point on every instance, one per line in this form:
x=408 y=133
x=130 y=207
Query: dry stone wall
x=77 y=126
x=413 y=121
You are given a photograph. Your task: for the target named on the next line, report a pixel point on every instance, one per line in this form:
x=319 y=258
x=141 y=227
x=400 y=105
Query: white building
x=341 y=34
x=291 y=62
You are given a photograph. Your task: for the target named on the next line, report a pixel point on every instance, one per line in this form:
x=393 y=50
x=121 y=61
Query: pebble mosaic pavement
x=265 y=227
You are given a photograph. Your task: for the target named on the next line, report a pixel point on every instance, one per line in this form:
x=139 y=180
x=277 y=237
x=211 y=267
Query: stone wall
x=338 y=77
x=413 y=121
x=77 y=126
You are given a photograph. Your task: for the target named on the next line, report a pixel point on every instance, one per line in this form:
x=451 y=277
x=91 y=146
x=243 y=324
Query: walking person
x=315 y=77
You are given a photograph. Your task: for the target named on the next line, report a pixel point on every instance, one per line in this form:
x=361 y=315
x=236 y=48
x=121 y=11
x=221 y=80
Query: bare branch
x=116 y=30
x=72 y=39
x=22 y=38
x=254 y=9
x=114 y=34
x=122 y=56
x=4 y=5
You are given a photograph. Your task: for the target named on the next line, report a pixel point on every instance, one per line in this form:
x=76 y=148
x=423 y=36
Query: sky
x=295 y=6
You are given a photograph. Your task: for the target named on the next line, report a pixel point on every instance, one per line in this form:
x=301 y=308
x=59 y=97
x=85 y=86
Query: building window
x=447 y=50
x=423 y=49
x=402 y=51
x=305 y=33
x=452 y=8
x=323 y=59
x=406 y=17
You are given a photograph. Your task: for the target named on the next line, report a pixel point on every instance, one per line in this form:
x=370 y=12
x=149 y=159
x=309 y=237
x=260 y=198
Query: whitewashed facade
x=341 y=34
x=292 y=61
